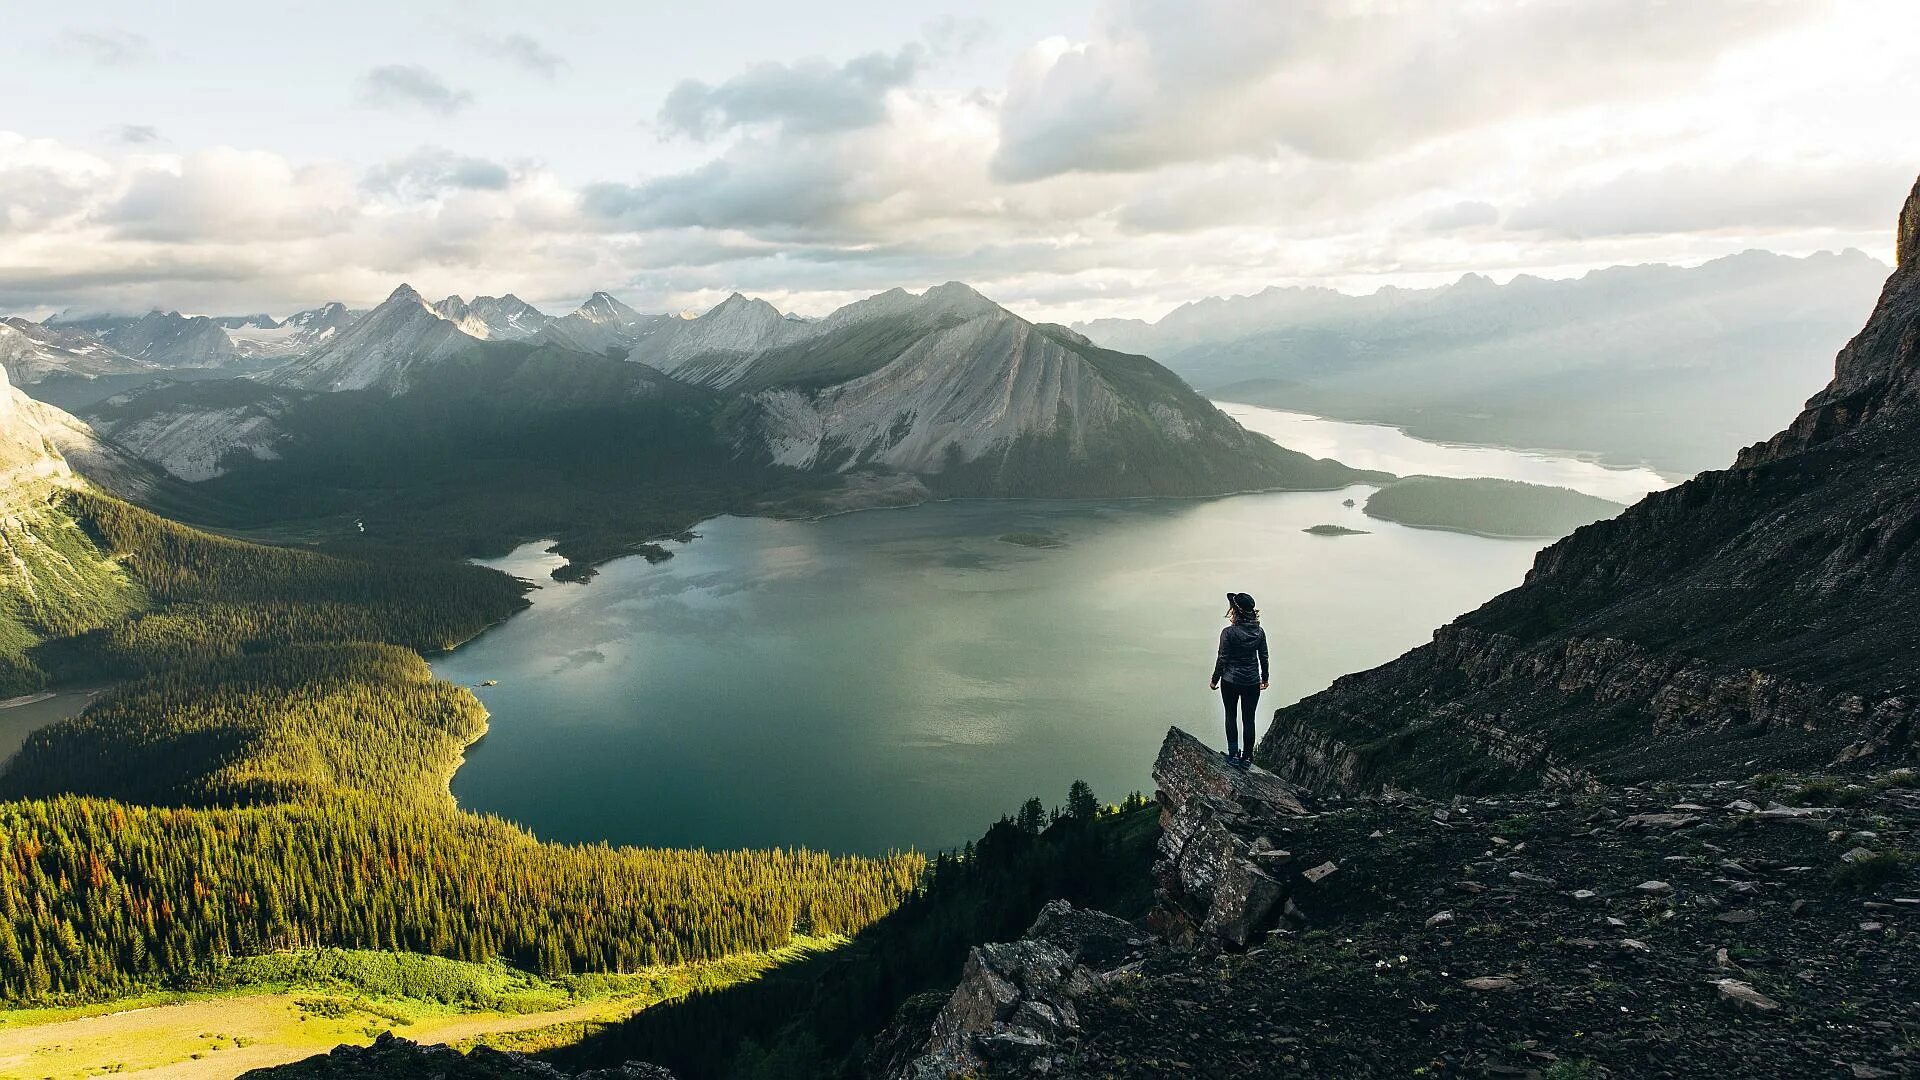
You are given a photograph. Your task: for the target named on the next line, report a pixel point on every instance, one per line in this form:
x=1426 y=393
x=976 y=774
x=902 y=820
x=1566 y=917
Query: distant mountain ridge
x=1663 y=364
x=604 y=421
x=1762 y=616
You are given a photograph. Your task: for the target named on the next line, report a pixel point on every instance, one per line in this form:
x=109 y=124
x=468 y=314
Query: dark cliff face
x=1767 y=615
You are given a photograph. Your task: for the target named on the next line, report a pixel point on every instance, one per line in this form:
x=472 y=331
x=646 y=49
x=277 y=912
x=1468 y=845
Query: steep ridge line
x=1766 y=615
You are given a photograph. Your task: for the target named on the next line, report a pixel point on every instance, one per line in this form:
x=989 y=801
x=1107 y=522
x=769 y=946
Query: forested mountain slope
x=271 y=772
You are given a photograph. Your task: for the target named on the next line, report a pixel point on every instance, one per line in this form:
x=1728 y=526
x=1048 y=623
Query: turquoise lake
x=898 y=678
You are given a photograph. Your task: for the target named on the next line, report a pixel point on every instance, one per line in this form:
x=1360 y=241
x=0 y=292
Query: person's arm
x=1265 y=672
x=1219 y=660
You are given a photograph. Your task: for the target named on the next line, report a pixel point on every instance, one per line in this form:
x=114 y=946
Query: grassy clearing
x=266 y=1010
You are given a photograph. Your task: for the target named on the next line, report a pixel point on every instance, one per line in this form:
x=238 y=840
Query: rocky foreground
x=1760 y=927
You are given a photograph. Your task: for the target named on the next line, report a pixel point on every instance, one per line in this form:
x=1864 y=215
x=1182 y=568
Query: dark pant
x=1249 y=699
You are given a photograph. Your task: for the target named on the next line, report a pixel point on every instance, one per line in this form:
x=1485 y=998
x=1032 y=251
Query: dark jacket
x=1243 y=655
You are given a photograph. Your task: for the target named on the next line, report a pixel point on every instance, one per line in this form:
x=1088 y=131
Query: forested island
x=1487 y=507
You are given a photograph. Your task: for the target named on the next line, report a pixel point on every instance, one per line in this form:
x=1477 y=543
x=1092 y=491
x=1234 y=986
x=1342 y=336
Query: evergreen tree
x=1033 y=816
x=1081 y=804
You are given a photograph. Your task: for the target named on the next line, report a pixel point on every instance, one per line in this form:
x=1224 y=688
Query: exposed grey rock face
x=32 y=351
x=170 y=339
x=604 y=325
x=193 y=442
x=509 y=318
x=1221 y=876
x=951 y=387
x=28 y=459
x=257 y=337
x=391 y=1058
x=1014 y=1008
x=382 y=349
x=718 y=348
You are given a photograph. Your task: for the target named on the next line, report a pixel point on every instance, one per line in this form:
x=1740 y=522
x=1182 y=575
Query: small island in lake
x=1486 y=507
x=1333 y=530
x=1033 y=540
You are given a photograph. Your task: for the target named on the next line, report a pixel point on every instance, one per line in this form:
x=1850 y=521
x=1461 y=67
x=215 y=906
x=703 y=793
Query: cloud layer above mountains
x=1160 y=151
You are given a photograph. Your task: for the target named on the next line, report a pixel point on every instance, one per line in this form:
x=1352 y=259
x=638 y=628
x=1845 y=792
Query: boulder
x=1015 y=1007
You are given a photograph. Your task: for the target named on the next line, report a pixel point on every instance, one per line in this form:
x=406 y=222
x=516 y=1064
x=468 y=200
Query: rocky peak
x=405 y=294
x=603 y=308
x=1907 y=242
x=331 y=314
x=741 y=308
x=1879 y=370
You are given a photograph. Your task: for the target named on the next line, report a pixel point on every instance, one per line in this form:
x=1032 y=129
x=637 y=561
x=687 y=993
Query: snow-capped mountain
x=509 y=318
x=382 y=348
x=603 y=324
x=260 y=336
x=33 y=351
x=945 y=386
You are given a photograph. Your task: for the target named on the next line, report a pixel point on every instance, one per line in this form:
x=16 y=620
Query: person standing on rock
x=1240 y=672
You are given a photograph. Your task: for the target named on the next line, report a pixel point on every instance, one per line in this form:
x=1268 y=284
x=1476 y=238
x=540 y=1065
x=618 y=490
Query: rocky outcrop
x=1225 y=874
x=1014 y=1009
x=1767 y=614
x=1222 y=882
x=390 y=1058
x=1659 y=931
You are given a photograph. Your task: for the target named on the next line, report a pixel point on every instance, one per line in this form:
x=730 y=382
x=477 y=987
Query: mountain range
x=1673 y=366
x=455 y=404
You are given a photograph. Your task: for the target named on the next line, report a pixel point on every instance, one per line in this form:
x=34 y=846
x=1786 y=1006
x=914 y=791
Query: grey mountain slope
x=297 y=334
x=509 y=318
x=950 y=386
x=32 y=352
x=381 y=349
x=602 y=325
x=42 y=446
x=945 y=385
x=170 y=339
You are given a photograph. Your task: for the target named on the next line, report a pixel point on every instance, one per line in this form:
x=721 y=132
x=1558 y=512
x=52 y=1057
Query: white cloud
x=523 y=52
x=403 y=86
x=806 y=97
x=1171 y=150
x=1196 y=80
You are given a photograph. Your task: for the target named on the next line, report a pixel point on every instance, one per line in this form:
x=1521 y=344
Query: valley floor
x=218 y=1035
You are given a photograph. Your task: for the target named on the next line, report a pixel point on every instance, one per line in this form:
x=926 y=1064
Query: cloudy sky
x=1071 y=158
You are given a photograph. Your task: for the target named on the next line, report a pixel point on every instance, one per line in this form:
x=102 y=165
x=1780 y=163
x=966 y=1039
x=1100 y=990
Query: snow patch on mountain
x=32 y=351
x=383 y=349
